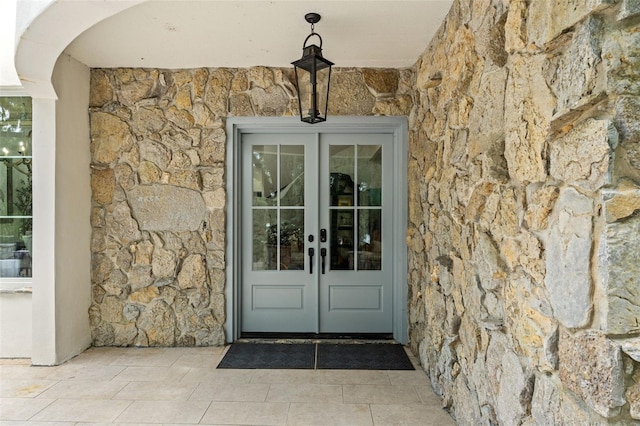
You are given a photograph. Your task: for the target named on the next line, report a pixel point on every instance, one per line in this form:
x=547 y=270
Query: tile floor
x=182 y=386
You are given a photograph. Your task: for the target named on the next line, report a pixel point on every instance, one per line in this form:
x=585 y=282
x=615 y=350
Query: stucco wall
x=72 y=208
x=15 y=324
x=523 y=182
x=158 y=188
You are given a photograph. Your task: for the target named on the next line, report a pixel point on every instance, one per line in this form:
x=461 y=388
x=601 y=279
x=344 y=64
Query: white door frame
x=394 y=125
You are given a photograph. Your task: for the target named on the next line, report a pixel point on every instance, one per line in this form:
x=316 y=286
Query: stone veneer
x=524 y=187
x=157 y=174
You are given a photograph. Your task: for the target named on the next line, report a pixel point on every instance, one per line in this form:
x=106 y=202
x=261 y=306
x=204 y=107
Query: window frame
x=19 y=284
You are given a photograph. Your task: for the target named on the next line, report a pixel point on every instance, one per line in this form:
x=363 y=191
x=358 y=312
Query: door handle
x=323 y=255
x=311 y=253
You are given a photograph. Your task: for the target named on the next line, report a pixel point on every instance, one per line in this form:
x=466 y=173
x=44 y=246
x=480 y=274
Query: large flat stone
x=568 y=255
x=110 y=137
x=581 y=157
x=591 y=366
x=166 y=208
x=619 y=267
x=528 y=107
x=549 y=18
x=573 y=73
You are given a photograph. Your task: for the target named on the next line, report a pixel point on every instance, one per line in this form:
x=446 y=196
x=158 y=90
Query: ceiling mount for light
x=313 y=73
x=312 y=18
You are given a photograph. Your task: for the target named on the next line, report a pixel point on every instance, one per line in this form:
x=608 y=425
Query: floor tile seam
x=198 y=384
x=204 y=413
x=115 y=419
x=286 y=418
x=371 y=414
x=266 y=397
x=39 y=411
x=115 y=398
x=420 y=395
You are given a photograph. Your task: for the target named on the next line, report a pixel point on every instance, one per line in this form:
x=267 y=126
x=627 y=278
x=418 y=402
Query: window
x=15 y=187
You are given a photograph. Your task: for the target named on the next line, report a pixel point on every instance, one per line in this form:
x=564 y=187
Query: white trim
x=13 y=91
x=43 y=269
x=396 y=125
x=9 y=284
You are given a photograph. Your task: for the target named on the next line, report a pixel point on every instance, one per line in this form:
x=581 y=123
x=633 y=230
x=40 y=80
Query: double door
x=316 y=233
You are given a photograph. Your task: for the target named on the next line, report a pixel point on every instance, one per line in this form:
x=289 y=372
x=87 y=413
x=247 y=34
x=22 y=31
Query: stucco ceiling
x=239 y=33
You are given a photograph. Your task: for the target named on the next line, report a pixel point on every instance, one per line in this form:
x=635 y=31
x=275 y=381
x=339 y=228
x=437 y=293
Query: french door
x=316 y=225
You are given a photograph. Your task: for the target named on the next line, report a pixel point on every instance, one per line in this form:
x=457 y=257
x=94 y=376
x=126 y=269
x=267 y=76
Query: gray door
x=316 y=232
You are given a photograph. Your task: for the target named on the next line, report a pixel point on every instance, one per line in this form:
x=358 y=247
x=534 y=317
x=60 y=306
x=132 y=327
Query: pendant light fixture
x=313 y=73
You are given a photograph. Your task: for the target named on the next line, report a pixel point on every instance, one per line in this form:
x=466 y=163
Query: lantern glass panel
x=310 y=110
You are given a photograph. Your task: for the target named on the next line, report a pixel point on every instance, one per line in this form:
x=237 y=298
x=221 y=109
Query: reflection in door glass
x=278 y=185
x=342 y=191
x=341 y=239
x=342 y=170
x=351 y=250
x=292 y=239
x=265 y=239
x=265 y=175
x=369 y=175
x=291 y=192
x=369 y=256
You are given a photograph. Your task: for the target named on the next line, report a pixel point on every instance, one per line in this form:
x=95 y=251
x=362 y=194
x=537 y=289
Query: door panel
x=348 y=297
x=278 y=293
x=356 y=290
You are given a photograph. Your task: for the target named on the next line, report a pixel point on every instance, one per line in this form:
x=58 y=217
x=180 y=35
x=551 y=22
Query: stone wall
x=157 y=175
x=524 y=182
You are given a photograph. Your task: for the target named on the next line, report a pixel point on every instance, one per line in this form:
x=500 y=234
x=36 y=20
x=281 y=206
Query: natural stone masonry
x=158 y=162
x=524 y=180
x=524 y=188
x=591 y=366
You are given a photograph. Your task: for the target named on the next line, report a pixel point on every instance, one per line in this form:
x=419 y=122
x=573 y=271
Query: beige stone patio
x=182 y=385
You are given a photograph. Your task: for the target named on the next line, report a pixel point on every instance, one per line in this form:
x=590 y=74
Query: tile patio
x=182 y=386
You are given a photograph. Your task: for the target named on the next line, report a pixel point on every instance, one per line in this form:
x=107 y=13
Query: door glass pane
x=369 y=175
x=341 y=177
x=291 y=175
x=265 y=175
x=265 y=239
x=341 y=247
x=369 y=255
x=292 y=239
x=341 y=189
x=278 y=232
x=15 y=248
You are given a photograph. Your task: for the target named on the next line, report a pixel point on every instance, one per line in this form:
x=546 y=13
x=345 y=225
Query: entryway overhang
x=55 y=40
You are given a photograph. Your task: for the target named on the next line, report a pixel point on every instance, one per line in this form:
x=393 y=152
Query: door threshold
x=330 y=337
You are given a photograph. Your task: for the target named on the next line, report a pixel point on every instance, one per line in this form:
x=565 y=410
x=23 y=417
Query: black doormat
x=374 y=356
x=269 y=356
x=363 y=357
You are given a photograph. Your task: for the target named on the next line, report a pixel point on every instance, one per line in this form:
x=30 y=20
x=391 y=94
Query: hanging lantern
x=313 y=73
